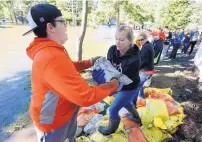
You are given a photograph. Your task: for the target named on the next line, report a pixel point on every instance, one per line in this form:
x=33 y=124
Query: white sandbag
x=98 y=106
x=110 y=71
x=90 y=127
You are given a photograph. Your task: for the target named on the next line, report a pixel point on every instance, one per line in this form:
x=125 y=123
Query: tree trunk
x=83 y=31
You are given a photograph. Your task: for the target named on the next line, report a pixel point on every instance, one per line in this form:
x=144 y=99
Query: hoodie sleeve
x=82 y=65
x=61 y=77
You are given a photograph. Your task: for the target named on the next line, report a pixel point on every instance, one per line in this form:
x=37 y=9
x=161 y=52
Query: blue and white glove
x=99 y=76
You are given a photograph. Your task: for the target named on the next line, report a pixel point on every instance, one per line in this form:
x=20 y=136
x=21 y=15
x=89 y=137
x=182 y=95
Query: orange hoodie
x=57 y=87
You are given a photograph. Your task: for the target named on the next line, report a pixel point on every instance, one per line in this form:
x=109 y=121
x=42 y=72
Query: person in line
x=158 y=46
x=147 y=61
x=58 y=90
x=176 y=44
x=194 y=35
x=126 y=58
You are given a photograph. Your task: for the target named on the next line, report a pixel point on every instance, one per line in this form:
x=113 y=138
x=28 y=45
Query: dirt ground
x=181 y=76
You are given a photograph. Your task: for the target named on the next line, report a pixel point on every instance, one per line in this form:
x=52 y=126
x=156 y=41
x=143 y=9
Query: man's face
x=61 y=29
x=58 y=32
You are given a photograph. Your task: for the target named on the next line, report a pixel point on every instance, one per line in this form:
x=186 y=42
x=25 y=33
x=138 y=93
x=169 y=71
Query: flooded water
x=14 y=67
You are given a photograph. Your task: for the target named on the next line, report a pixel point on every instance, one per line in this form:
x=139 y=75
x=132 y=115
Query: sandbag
x=160 y=96
x=83 y=139
x=115 y=137
x=136 y=135
x=140 y=102
x=172 y=107
x=158 y=123
x=109 y=100
x=84 y=116
x=97 y=137
x=90 y=127
x=134 y=132
x=157 y=108
x=173 y=122
x=149 y=90
x=110 y=71
x=98 y=107
x=171 y=104
x=146 y=116
x=155 y=134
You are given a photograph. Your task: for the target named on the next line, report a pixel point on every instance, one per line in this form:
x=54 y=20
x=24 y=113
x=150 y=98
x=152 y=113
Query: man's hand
x=93 y=59
x=99 y=76
x=119 y=83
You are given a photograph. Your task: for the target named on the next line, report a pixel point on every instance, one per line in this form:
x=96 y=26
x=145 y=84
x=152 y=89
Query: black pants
x=174 y=51
x=192 y=44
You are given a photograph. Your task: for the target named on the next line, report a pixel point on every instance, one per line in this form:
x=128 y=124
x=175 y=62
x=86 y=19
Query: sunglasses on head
x=140 y=39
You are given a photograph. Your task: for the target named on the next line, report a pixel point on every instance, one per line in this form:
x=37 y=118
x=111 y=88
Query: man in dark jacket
x=158 y=46
x=147 y=61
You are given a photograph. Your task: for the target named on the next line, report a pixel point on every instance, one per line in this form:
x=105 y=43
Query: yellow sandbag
x=149 y=90
x=155 y=134
x=115 y=137
x=159 y=123
x=173 y=122
x=146 y=116
x=97 y=137
x=83 y=139
x=157 y=108
x=109 y=100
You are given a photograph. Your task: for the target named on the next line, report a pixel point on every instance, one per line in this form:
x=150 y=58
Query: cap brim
x=30 y=31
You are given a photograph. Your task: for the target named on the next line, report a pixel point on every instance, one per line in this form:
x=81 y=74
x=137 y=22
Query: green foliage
x=177 y=14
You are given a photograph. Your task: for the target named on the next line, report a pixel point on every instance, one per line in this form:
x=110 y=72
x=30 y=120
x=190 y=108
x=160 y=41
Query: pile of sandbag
x=159 y=112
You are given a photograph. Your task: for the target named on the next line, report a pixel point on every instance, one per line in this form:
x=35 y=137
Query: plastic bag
x=146 y=116
x=97 y=137
x=90 y=127
x=109 y=100
x=98 y=107
x=115 y=137
x=134 y=132
x=140 y=102
x=83 y=139
x=84 y=116
x=155 y=134
x=110 y=71
x=157 y=108
x=149 y=90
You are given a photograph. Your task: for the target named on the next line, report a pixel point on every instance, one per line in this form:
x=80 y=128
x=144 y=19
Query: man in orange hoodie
x=57 y=87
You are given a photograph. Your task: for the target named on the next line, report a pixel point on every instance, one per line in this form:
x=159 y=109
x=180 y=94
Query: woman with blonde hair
x=125 y=57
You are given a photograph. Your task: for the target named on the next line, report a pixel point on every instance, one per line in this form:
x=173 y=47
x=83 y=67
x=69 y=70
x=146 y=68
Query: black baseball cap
x=41 y=14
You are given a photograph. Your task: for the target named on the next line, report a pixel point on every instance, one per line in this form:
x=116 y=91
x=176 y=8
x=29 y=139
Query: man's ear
x=50 y=27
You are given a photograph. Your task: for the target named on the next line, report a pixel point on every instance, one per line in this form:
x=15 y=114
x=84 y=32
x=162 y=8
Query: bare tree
x=83 y=31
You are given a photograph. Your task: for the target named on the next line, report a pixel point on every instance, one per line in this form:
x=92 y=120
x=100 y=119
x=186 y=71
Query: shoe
x=135 y=116
x=112 y=127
